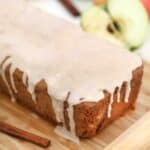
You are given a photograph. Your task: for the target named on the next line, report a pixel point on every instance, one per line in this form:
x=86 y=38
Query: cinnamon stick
x=21 y=134
x=70 y=7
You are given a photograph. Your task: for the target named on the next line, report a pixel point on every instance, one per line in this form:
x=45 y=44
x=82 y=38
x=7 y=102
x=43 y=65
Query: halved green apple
x=124 y=20
x=97 y=21
x=131 y=19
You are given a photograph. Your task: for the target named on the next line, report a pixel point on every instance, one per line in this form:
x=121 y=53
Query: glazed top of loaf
x=49 y=48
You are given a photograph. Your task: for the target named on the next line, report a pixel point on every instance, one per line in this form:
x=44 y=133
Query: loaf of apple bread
x=79 y=82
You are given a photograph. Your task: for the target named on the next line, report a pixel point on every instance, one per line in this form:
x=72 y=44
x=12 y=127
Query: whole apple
x=147 y=5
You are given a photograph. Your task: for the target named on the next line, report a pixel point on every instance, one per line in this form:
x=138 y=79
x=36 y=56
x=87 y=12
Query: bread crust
x=90 y=117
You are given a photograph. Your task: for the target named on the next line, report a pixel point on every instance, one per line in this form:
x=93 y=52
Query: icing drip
x=110 y=106
x=2 y=71
x=70 y=110
x=24 y=79
x=71 y=118
x=118 y=95
x=59 y=112
x=58 y=108
x=128 y=89
x=61 y=130
x=126 y=99
x=12 y=70
x=119 y=92
x=32 y=92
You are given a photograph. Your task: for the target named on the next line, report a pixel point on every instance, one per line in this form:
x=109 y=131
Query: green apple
x=131 y=19
x=97 y=21
x=124 y=21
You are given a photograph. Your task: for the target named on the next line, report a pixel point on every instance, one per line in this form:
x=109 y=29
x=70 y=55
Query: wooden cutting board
x=130 y=132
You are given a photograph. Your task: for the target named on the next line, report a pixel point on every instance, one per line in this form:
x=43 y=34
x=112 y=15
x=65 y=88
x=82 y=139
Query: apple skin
x=147 y=5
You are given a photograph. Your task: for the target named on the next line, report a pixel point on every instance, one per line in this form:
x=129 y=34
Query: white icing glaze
x=110 y=106
x=52 y=49
x=24 y=79
x=126 y=99
x=12 y=70
x=2 y=71
x=70 y=110
x=118 y=95
x=58 y=109
x=128 y=89
x=72 y=73
x=32 y=92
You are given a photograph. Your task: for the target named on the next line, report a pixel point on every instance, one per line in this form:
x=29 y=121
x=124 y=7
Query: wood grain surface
x=130 y=132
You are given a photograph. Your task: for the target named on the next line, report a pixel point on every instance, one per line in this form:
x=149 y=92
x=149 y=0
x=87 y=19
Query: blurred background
x=58 y=8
